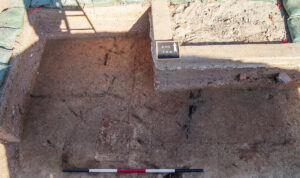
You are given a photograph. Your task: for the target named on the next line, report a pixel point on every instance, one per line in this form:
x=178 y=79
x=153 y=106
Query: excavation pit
x=93 y=105
x=81 y=94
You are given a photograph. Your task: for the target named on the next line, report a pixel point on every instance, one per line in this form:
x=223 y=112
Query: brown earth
x=93 y=106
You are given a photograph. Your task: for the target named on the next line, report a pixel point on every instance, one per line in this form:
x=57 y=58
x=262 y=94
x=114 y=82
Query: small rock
x=106 y=122
x=240 y=77
x=243 y=76
x=283 y=77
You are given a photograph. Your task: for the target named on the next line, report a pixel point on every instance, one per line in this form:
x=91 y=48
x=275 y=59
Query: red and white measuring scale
x=133 y=170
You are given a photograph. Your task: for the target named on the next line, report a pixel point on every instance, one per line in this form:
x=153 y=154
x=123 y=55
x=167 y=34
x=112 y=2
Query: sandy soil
x=229 y=21
x=93 y=105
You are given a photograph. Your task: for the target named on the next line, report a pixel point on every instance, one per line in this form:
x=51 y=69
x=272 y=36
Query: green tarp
x=5 y=55
x=292 y=7
x=8 y=37
x=12 y=18
x=11 y=23
x=294 y=28
x=3 y=69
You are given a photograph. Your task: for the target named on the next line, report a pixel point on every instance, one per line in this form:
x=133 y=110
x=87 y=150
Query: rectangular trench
x=93 y=106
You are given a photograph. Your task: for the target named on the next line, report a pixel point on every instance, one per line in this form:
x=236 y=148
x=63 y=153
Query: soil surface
x=228 y=21
x=93 y=106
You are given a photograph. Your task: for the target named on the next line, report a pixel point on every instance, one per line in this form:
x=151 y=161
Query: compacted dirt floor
x=94 y=106
x=228 y=21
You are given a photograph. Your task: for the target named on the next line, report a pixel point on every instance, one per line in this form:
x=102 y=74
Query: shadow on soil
x=93 y=105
